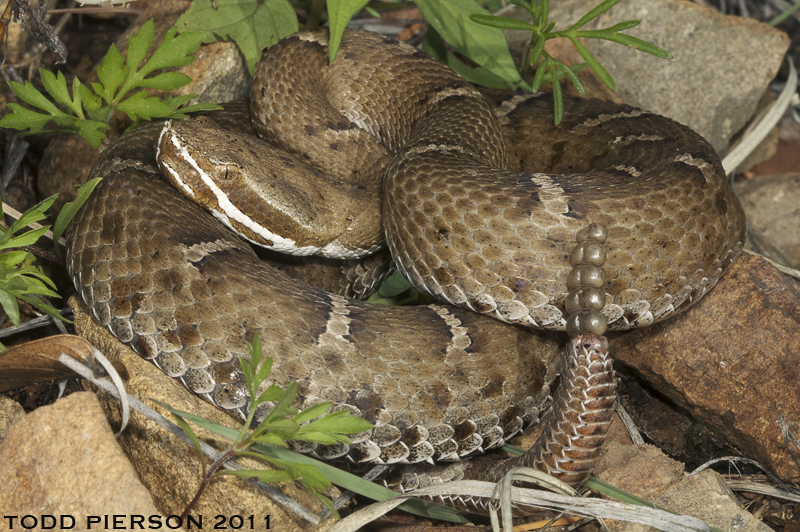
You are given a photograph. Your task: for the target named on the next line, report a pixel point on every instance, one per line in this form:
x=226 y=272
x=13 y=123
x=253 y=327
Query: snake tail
x=569 y=446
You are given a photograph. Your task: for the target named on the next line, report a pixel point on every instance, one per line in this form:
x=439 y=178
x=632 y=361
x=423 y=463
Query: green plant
x=542 y=31
x=283 y=422
x=20 y=278
x=118 y=77
x=463 y=24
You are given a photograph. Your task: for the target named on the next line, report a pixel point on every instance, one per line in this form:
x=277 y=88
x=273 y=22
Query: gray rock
x=706 y=497
x=62 y=459
x=721 y=64
x=10 y=411
x=772 y=205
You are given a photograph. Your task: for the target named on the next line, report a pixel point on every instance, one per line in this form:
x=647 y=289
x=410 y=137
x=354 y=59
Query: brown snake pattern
x=465 y=224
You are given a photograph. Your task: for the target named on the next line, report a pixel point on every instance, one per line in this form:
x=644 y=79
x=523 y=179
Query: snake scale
x=514 y=223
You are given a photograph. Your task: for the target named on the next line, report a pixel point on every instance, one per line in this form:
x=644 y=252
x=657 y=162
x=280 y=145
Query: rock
x=667 y=426
x=10 y=411
x=642 y=470
x=787 y=156
x=772 y=205
x=169 y=467
x=702 y=85
x=732 y=361
x=218 y=72
x=62 y=459
x=704 y=495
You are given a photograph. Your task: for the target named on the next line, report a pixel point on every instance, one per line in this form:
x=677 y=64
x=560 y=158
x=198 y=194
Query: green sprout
x=282 y=423
x=87 y=111
x=552 y=69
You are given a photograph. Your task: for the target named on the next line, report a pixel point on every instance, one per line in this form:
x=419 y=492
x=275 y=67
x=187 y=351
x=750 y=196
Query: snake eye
x=225 y=173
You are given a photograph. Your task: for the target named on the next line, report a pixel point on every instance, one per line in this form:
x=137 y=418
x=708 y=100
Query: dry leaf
x=37 y=361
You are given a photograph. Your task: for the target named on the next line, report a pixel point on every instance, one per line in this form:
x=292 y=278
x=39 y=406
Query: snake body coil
x=483 y=201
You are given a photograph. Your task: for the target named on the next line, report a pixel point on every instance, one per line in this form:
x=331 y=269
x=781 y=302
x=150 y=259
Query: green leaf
x=270 y=438
x=25 y=239
x=312 y=478
x=627 y=40
x=363 y=487
x=340 y=422
x=541 y=70
x=434 y=46
x=15 y=283
x=486 y=46
x=69 y=210
x=598 y=69
x=504 y=23
x=395 y=285
x=544 y=13
x=273 y=393
x=339 y=14
x=312 y=412
x=173 y=51
x=266 y=366
x=10 y=306
x=22 y=118
x=264 y=475
x=285 y=400
x=177 y=101
x=286 y=426
x=92 y=101
x=36 y=281
x=56 y=86
x=252 y=24
x=92 y=131
x=11 y=259
x=569 y=72
x=193 y=438
x=195 y=108
x=558 y=100
x=41 y=306
x=334 y=475
x=31 y=95
x=111 y=73
x=76 y=105
x=34 y=214
x=594 y=13
x=322 y=438
x=165 y=81
x=622 y=26
x=139 y=44
x=142 y=106
x=536 y=53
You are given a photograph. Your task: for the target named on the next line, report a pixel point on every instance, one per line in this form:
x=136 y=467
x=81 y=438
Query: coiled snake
x=645 y=198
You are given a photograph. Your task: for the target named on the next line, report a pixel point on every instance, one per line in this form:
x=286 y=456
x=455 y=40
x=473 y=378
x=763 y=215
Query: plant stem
x=213 y=468
x=315 y=14
x=783 y=16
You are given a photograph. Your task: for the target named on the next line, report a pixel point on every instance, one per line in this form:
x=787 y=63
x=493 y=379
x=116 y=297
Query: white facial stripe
x=227 y=212
x=177 y=178
x=175 y=175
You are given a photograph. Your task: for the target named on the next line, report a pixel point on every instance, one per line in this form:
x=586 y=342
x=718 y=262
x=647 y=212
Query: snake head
x=268 y=196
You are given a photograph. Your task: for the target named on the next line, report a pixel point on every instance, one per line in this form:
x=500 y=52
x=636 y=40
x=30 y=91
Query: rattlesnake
x=484 y=200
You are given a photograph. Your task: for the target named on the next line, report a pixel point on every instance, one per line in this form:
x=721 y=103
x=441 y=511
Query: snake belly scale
x=482 y=202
